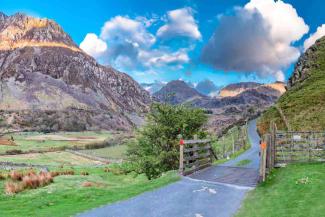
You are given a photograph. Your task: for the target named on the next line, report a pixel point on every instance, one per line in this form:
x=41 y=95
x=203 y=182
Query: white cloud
x=286 y=25
x=132 y=47
x=320 y=32
x=93 y=45
x=257 y=38
x=163 y=57
x=180 y=22
x=123 y=29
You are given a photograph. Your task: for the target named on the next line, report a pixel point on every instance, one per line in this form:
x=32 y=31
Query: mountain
x=302 y=107
x=250 y=100
x=48 y=83
x=208 y=88
x=176 y=92
x=237 y=88
x=225 y=112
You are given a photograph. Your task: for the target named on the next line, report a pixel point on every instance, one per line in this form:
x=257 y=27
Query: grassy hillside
x=296 y=190
x=303 y=105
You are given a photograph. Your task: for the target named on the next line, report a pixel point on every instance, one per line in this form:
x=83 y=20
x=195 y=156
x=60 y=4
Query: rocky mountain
x=246 y=100
x=176 y=92
x=302 y=107
x=48 y=83
x=237 y=88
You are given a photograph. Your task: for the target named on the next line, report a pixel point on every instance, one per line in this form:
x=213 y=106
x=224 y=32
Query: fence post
x=263 y=161
x=181 y=158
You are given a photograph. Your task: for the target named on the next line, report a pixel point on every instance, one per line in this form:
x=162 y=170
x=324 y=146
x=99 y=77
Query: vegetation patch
x=296 y=190
x=243 y=162
x=156 y=148
x=69 y=195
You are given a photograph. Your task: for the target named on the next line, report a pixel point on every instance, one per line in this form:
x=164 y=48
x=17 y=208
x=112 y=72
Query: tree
x=156 y=148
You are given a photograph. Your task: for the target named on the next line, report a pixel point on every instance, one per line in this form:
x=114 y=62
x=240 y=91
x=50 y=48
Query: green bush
x=156 y=148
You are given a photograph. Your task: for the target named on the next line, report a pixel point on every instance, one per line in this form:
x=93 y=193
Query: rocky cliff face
x=42 y=69
x=306 y=63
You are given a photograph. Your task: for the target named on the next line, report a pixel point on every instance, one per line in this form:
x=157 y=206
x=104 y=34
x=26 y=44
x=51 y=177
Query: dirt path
x=215 y=192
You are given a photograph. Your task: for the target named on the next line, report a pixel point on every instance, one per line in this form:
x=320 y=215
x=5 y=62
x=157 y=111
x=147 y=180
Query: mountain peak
x=175 y=92
x=21 y=30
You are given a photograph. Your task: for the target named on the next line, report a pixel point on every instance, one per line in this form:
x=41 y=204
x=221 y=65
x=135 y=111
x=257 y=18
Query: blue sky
x=175 y=35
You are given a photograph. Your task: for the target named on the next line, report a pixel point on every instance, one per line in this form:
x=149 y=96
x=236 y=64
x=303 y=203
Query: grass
x=294 y=191
x=113 y=152
x=28 y=141
x=243 y=162
x=69 y=195
x=224 y=145
x=304 y=104
x=49 y=158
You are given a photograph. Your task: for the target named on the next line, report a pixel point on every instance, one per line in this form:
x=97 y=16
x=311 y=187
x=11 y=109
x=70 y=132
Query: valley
x=166 y=109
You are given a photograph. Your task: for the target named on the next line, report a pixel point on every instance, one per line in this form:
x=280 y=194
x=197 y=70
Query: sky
x=225 y=41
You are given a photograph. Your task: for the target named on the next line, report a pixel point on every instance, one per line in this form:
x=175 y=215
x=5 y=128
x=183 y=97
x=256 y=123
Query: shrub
x=13 y=188
x=84 y=173
x=16 y=175
x=156 y=148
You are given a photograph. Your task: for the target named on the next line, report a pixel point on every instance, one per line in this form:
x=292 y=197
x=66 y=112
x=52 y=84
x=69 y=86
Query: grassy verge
x=297 y=190
x=67 y=196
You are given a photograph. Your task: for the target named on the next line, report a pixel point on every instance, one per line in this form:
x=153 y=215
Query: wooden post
x=263 y=161
x=181 y=159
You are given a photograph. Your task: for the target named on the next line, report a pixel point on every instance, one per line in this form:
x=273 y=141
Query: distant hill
x=176 y=92
x=237 y=88
x=223 y=111
x=303 y=105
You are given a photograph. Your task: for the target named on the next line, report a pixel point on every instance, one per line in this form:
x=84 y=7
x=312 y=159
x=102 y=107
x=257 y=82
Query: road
x=214 y=192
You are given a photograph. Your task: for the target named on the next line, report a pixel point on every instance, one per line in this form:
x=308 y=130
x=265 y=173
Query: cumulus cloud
x=320 y=32
x=93 y=45
x=180 y=23
x=131 y=46
x=256 y=38
x=123 y=29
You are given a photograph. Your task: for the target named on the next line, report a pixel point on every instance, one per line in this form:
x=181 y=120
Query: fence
x=195 y=155
x=283 y=148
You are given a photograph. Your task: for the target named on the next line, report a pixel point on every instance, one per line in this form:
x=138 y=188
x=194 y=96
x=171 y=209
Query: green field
x=34 y=141
x=114 y=152
x=49 y=159
x=67 y=196
x=294 y=191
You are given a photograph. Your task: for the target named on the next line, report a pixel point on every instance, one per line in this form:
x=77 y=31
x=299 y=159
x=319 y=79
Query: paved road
x=214 y=192
x=252 y=153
